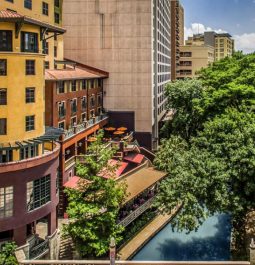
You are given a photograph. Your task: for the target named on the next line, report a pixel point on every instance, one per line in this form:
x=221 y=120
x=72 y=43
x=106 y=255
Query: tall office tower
x=130 y=39
x=30 y=35
x=177 y=36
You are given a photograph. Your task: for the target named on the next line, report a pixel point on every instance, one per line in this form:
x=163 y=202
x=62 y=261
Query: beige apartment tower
x=130 y=39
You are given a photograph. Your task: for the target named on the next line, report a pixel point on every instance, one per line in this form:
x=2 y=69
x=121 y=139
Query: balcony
x=84 y=126
x=39 y=249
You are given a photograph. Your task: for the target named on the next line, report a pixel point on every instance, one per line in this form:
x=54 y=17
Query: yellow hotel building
x=30 y=41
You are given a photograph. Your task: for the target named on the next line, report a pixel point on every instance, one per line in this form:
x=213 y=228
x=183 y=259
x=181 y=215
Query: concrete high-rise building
x=130 y=39
x=177 y=36
x=224 y=46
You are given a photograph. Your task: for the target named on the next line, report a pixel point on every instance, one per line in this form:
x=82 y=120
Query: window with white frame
x=6 y=202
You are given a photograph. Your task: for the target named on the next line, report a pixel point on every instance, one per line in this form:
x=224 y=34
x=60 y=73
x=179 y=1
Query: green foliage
x=212 y=167
x=94 y=206
x=7 y=254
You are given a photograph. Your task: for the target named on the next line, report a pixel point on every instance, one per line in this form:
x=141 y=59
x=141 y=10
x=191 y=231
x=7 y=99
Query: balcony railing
x=39 y=250
x=133 y=215
x=84 y=126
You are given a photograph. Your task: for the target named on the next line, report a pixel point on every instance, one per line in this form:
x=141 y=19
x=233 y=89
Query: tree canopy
x=93 y=207
x=212 y=167
x=7 y=254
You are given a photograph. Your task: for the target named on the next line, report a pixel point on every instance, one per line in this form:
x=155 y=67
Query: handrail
x=38 y=250
x=133 y=215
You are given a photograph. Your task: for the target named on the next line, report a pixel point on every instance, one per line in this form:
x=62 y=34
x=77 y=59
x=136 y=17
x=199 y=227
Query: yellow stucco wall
x=224 y=47
x=16 y=82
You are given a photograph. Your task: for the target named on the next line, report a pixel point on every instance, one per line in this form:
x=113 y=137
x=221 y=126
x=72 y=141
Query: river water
x=210 y=243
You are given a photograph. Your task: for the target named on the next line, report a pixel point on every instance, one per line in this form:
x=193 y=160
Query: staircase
x=66 y=248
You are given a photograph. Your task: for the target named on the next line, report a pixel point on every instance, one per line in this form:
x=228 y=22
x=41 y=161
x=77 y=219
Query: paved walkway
x=145 y=235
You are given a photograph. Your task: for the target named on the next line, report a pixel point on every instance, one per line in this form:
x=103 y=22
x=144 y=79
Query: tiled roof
x=7 y=15
x=72 y=73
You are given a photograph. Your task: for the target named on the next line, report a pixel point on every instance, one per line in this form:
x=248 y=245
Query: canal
x=210 y=243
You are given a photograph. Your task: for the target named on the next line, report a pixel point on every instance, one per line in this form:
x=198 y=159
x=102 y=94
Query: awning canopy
x=134 y=158
x=141 y=180
x=73 y=182
x=120 y=167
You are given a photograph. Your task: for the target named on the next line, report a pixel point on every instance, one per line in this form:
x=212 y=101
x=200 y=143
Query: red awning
x=121 y=166
x=72 y=182
x=135 y=158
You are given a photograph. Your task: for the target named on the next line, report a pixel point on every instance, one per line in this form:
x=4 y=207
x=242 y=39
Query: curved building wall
x=25 y=172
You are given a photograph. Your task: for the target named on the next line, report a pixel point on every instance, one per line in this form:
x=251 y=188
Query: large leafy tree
x=93 y=206
x=213 y=169
x=7 y=254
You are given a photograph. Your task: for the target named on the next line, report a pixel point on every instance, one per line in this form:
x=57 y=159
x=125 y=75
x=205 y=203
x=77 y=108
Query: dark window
x=11 y=1
x=29 y=151
x=99 y=99
x=73 y=106
x=73 y=86
x=3 y=67
x=5 y=40
x=30 y=95
x=3 y=126
x=3 y=96
x=30 y=123
x=83 y=117
x=73 y=121
x=46 y=65
x=61 y=125
x=61 y=110
x=56 y=3
x=29 y=42
x=92 y=101
x=38 y=193
x=61 y=87
x=55 y=51
x=45 y=8
x=84 y=103
x=30 y=67
x=45 y=47
x=6 y=156
x=84 y=84
x=28 y=4
x=57 y=19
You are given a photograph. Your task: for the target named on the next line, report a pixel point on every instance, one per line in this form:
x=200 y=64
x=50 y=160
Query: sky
x=236 y=17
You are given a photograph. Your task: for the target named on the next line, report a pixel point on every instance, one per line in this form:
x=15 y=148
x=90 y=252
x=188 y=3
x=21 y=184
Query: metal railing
x=85 y=125
x=39 y=250
x=70 y=162
x=133 y=215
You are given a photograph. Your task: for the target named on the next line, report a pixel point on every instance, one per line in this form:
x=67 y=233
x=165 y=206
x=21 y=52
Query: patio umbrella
x=122 y=129
x=92 y=139
x=118 y=132
x=110 y=129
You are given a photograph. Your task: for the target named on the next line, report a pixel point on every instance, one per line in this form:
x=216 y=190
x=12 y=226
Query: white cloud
x=196 y=28
x=245 y=42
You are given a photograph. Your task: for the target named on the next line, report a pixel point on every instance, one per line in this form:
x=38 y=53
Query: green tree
x=7 y=254
x=93 y=207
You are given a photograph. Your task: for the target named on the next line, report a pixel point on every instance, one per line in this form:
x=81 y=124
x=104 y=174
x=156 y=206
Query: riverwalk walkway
x=135 y=244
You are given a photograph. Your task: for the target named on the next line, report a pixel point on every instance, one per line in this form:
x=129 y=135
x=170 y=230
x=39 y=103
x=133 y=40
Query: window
x=3 y=126
x=28 y=4
x=57 y=19
x=73 y=106
x=92 y=114
x=29 y=42
x=3 y=96
x=83 y=117
x=61 y=125
x=11 y=1
x=6 y=202
x=84 y=103
x=99 y=99
x=38 y=193
x=45 y=8
x=30 y=95
x=30 y=123
x=56 y=3
x=3 y=66
x=92 y=101
x=5 y=40
x=186 y=54
x=6 y=156
x=29 y=151
x=73 y=121
x=45 y=47
x=84 y=84
x=73 y=86
x=61 y=87
x=30 y=67
x=55 y=51
x=46 y=65
x=61 y=110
